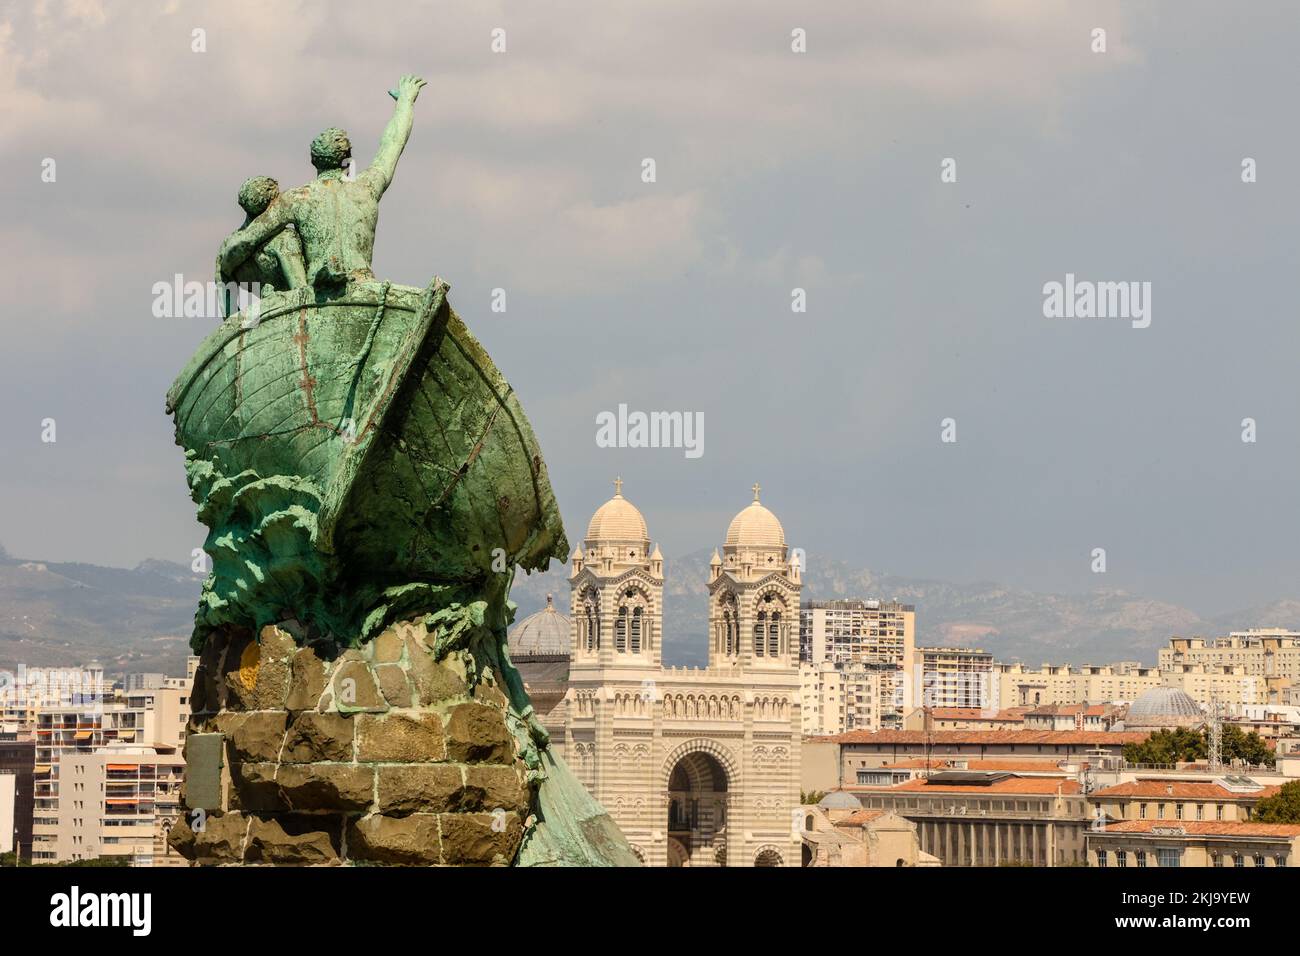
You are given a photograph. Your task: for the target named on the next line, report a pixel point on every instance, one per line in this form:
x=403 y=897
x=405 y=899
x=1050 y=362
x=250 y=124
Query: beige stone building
x=1143 y=843
x=964 y=718
x=846 y=759
x=1268 y=658
x=697 y=766
x=838 y=832
x=1021 y=686
x=989 y=817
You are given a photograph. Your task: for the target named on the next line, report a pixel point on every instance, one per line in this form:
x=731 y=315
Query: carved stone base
x=380 y=755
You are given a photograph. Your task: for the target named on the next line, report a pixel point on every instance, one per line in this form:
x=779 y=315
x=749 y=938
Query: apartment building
x=1022 y=686
x=115 y=802
x=835 y=697
x=1268 y=654
x=17 y=764
x=153 y=718
x=955 y=677
x=875 y=636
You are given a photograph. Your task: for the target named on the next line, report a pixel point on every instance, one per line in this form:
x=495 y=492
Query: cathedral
x=698 y=766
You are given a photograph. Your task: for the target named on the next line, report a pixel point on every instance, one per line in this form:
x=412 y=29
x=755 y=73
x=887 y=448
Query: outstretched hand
x=409 y=87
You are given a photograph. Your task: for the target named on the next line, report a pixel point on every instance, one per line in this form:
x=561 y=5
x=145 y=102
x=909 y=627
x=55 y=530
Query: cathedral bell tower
x=754 y=595
x=616 y=590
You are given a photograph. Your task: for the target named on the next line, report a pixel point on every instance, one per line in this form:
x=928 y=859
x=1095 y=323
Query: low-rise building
x=964 y=718
x=838 y=832
x=1229 y=798
x=1142 y=843
x=836 y=761
x=1095 y=717
x=989 y=818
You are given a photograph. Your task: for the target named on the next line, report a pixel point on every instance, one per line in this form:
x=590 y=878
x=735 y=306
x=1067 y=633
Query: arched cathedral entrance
x=698 y=796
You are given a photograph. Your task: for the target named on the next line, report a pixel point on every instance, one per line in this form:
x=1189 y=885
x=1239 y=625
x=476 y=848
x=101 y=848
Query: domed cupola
x=617 y=532
x=544 y=634
x=755 y=542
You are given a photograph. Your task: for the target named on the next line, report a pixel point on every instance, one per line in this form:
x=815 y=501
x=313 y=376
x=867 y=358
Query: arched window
x=636 y=630
x=620 y=631
x=760 y=627
x=589 y=639
x=774 y=635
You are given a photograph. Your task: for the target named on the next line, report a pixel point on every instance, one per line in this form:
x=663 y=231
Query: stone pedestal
x=379 y=755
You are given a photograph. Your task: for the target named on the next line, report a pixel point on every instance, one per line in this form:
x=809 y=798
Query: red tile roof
x=1207 y=790
x=1013 y=785
x=989 y=737
x=1206 y=827
x=992 y=763
x=976 y=713
x=860 y=817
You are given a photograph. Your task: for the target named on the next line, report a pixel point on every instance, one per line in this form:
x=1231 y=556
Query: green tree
x=1282 y=807
x=1169 y=746
x=812 y=797
x=1247 y=747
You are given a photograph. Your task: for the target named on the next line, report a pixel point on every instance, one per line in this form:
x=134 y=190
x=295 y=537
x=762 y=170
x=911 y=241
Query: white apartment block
x=153 y=718
x=955 y=677
x=835 y=698
x=119 y=800
x=878 y=636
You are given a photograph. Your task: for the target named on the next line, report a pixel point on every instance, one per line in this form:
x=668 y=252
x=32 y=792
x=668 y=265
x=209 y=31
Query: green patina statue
x=359 y=460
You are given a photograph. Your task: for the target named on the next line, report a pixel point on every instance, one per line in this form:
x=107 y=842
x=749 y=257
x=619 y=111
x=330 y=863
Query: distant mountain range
x=139 y=619
x=1098 y=627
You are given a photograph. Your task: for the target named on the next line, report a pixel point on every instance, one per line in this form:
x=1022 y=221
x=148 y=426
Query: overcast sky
x=775 y=170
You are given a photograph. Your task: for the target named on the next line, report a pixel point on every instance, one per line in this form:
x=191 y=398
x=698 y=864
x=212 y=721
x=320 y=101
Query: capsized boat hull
x=384 y=405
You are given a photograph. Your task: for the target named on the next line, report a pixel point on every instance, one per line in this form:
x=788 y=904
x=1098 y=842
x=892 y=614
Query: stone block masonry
x=377 y=755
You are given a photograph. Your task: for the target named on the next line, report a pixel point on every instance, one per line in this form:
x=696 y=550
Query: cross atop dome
x=618 y=487
x=756 y=489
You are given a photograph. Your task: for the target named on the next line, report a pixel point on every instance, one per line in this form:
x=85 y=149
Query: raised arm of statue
x=242 y=243
x=396 y=133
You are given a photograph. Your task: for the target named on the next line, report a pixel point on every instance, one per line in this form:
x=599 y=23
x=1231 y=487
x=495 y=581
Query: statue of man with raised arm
x=335 y=216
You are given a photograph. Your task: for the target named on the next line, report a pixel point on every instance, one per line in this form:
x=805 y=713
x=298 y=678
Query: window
x=1101 y=858
x=1160 y=811
x=1279 y=860
x=1141 y=857
x=1200 y=811
x=1169 y=856
x=1121 y=858
x=760 y=627
x=1259 y=859
x=1218 y=811
x=636 y=630
x=1238 y=860
x=1178 y=811
x=1142 y=811
x=1216 y=860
